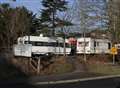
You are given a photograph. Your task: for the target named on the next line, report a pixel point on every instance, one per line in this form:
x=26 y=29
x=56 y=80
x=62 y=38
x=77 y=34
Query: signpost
x=23 y=50
x=113 y=52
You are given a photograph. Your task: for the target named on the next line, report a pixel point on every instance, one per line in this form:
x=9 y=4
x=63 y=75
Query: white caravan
x=44 y=45
x=93 y=46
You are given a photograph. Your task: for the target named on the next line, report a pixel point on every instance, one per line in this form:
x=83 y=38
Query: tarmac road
x=101 y=83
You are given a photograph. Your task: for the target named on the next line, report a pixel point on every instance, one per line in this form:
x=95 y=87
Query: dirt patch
x=59 y=66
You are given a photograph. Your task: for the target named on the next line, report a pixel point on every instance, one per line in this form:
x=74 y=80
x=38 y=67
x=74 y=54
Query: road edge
x=75 y=80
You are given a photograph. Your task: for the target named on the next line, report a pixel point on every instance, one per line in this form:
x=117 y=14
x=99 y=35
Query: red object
x=72 y=41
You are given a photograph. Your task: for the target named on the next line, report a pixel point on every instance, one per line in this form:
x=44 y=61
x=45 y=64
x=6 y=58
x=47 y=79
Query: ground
x=71 y=64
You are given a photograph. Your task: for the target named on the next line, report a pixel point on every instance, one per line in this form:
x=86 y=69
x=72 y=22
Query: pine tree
x=49 y=13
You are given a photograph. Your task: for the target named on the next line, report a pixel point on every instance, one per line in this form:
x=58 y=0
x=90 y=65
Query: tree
x=49 y=17
x=14 y=22
x=90 y=14
x=4 y=12
x=67 y=18
x=20 y=23
x=114 y=20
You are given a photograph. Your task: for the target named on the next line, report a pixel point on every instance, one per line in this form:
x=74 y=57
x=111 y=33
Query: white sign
x=23 y=50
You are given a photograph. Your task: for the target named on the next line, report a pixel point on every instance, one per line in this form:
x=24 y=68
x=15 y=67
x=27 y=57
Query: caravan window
x=34 y=43
x=45 y=44
x=26 y=42
x=49 y=44
x=67 y=45
x=53 y=44
x=62 y=45
x=82 y=44
x=109 y=46
x=94 y=43
x=37 y=43
x=29 y=42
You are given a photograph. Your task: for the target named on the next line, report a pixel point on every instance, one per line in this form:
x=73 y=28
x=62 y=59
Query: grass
x=106 y=69
x=62 y=68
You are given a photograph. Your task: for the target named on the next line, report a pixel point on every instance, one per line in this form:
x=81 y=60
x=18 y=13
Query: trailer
x=42 y=45
x=93 y=46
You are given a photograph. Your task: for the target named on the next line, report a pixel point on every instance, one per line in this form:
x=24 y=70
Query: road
x=102 y=83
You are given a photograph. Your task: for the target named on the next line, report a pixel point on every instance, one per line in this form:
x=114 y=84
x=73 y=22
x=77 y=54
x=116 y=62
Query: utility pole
x=85 y=58
x=83 y=25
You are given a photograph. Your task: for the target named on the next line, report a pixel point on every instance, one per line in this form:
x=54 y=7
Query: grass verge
x=106 y=69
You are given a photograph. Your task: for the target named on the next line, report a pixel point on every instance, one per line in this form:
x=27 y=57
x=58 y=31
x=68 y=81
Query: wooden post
x=29 y=63
x=38 y=67
x=113 y=58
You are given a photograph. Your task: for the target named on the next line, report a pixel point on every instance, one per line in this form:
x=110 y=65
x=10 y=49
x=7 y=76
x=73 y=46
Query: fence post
x=38 y=67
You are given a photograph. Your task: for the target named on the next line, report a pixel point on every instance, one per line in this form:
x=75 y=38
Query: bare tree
x=65 y=28
x=114 y=20
x=90 y=14
x=14 y=22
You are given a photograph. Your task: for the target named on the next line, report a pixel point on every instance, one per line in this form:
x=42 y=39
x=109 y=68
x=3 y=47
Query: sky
x=32 y=5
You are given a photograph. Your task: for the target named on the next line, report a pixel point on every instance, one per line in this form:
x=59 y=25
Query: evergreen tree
x=49 y=16
x=15 y=22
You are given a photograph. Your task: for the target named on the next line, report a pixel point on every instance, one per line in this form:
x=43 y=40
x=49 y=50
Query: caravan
x=44 y=45
x=93 y=46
